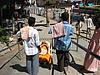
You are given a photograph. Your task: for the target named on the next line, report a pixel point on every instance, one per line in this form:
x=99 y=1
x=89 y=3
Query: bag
x=50 y=31
x=20 y=40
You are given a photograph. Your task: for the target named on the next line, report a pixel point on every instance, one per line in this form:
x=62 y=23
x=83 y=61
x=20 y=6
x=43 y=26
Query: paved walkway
x=17 y=67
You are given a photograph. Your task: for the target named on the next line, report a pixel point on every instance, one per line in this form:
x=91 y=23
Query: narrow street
x=17 y=66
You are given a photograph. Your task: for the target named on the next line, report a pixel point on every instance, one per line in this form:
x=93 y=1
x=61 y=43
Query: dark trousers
x=62 y=57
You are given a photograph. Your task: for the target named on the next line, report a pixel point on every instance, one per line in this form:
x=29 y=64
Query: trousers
x=32 y=64
x=62 y=57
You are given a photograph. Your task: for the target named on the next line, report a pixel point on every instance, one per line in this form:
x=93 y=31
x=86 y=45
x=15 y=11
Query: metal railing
x=83 y=48
x=19 y=49
x=82 y=36
x=8 y=47
x=15 y=55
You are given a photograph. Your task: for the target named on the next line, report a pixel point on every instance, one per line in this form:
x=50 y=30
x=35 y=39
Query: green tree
x=4 y=38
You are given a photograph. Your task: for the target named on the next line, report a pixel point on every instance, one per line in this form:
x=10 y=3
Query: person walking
x=79 y=24
x=62 y=40
x=90 y=24
x=31 y=44
x=90 y=62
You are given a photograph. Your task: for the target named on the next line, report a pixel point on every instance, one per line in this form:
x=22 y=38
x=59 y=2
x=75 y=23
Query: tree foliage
x=4 y=38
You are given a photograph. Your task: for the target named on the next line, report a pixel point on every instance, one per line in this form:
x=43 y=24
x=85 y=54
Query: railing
x=14 y=55
x=76 y=43
x=8 y=47
x=82 y=36
x=83 y=48
x=17 y=52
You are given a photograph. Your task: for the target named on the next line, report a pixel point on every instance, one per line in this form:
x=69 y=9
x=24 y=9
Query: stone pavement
x=17 y=67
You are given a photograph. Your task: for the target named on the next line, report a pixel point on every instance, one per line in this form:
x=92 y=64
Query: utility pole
x=1 y=16
x=69 y=12
x=47 y=17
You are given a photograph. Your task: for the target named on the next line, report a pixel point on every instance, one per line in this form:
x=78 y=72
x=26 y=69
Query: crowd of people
x=61 y=33
x=87 y=21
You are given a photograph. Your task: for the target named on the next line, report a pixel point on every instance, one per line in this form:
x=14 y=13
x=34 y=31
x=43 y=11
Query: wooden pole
x=13 y=26
x=1 y=16
x=69 y=16
x=47 y=17
x=69 y=12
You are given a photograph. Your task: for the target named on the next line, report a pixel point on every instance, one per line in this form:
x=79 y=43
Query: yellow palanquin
x=45 y=54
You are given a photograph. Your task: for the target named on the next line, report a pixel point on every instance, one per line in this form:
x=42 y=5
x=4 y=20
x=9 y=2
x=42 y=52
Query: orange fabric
x=44 y=54
x=44 y=49
x=45 y=57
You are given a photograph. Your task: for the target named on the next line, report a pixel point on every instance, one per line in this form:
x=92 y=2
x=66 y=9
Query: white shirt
x=90 y=23
x=30 y=45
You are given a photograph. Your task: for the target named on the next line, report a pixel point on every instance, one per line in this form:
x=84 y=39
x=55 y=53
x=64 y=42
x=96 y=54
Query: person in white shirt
x=31 y=44
x=90 y=22
x=89 y=25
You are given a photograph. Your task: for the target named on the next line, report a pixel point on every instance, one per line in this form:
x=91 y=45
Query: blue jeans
x=32 y=64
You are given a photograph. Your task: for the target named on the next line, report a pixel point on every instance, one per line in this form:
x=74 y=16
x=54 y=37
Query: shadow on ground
x=72 y=64
x=78 y=67
x=19 y=68
x=45 y=65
